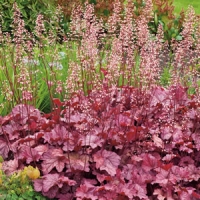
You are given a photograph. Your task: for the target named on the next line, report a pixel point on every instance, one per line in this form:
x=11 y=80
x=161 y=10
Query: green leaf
x=106 y=12
x=179 y=37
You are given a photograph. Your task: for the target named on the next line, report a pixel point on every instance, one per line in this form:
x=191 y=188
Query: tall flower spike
x=19 y=32
x=184 y=55
x=39 y=28
x=114 y=20
x=127 y=37
x=149 y=64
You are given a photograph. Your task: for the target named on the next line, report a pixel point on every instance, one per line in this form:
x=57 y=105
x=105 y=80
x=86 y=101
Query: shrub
x=164 y=14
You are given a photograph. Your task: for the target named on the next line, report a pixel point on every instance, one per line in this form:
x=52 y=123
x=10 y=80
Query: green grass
x=183 y=4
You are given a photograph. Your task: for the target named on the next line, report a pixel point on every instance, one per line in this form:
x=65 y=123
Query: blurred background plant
x=163 y=10
x=164 y=14
x=29 y=9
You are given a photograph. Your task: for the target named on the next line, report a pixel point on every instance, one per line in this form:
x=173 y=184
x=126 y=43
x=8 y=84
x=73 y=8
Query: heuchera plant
x=117 y=143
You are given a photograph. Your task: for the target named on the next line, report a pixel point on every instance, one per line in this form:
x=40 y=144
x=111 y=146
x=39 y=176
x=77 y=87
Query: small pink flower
x=26 y=95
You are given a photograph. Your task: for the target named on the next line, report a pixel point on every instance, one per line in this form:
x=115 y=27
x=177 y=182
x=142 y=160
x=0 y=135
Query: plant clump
x=114 y=142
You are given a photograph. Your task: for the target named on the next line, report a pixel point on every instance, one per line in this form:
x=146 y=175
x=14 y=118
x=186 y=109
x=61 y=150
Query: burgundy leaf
x=57 y=136
x=31 y=139
x=4 y=148
x=177 y=134
x=92 y=139
x=166 y=132
x=107 y=160
x=168 y=157
x=5 y=120
x=76 y=118
x=159 y=95
x=66 y=180
x=49 y=184
x=41 y=149
x=164 y=177
x=38 y=185
x=186 y=146
x=86 y=191
x=52 y=192
x=53 y=158
x=69 y=145
x=196 y=138
x=184 y=196
x=132 y=133
x=128 y=171
x=127 y=189
x=195 y=195
x=33 y=125
x=157 y=141
x=57 y=102
x=187 y=173
x=29 y=154
x=136 y=159
x=78 y=162
x=24 y=112
x=185 y=161
x=10 y=166
x=49 y=181
x=124 y=119
x=140 y=192
x=67 y=196
x=73 y=140
x=12 y=130
x=179 y=93
x=89 y=181
x=166 y=167
x=104 y=194
x=150 y=161
x=101 y=177
x=159 y=193
x=136 y=174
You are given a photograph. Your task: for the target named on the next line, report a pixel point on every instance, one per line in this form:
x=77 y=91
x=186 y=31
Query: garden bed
x=101 y=117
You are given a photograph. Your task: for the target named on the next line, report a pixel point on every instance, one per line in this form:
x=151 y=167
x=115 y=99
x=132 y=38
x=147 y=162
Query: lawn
x=183 y=4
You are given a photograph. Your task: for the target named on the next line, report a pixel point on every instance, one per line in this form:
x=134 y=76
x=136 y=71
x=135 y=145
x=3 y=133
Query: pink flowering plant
x=124 y=118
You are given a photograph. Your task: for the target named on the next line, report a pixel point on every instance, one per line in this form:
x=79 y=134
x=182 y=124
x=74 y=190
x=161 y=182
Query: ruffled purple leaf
x=107 y=160
x=53 y=158
x=4 y=148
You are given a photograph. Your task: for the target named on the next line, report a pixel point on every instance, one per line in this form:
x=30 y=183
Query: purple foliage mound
x=118 y=143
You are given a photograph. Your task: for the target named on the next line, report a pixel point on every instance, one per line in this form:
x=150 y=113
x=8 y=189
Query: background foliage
x=29 y=9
